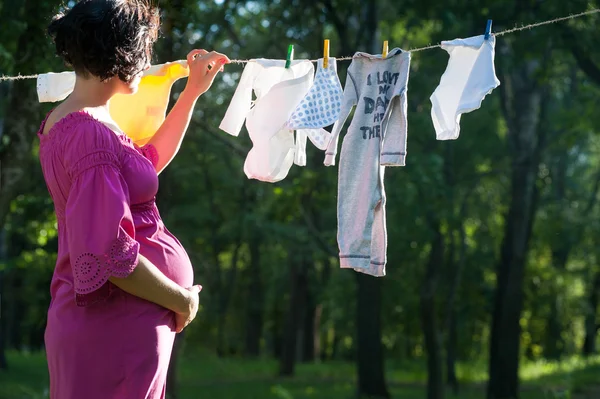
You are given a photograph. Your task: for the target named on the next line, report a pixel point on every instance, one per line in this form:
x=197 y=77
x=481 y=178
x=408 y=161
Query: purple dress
x=101 y=342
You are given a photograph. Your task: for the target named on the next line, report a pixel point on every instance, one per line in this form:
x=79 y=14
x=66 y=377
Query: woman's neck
x=91 y=92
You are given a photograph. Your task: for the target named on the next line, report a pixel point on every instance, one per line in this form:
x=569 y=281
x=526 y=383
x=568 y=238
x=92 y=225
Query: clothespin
x=488 y=29
x=384 y=52
x=325 y=53
x=290 y=56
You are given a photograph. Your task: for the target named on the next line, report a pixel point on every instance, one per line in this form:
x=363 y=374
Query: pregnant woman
x=123 y=284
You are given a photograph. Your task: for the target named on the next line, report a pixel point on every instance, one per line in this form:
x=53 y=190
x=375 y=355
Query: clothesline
x=347 y=58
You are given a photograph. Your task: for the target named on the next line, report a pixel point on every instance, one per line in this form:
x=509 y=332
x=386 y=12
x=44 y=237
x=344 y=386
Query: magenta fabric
x=101 y=342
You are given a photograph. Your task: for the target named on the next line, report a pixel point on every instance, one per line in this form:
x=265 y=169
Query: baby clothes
x=320 y=108
x=376 y=138
x=322 y=104
x=139 y=114
x=319 y=137
x=469 y=77
x=54 y=87
x=278 y=92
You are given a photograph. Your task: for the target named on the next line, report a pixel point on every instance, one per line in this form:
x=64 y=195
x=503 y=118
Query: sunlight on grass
x=529 y=371
x=536 y=370
x=202 y=374
x=472 y=372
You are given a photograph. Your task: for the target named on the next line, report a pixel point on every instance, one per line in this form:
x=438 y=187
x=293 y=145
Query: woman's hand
x=203 y=66
x=182 y=319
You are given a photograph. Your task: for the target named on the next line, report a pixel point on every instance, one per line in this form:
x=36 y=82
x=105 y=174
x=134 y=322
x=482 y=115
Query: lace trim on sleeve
x=92 y=271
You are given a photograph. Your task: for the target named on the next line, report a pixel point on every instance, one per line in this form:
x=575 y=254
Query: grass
x=202 y=375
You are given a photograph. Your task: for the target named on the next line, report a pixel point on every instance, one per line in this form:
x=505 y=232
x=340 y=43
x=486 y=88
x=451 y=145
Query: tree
x=23 y=112
x=370 y=359
x=523 y=99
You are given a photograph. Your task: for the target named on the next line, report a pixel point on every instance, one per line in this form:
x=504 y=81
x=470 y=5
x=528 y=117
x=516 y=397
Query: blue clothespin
x=488 y=29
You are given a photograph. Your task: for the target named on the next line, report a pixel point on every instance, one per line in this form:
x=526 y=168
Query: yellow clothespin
x=325 y=53
x=385 y=50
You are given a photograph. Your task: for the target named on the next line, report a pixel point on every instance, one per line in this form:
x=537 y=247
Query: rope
x=18 y=77
x=347 y=58
x=552 y=21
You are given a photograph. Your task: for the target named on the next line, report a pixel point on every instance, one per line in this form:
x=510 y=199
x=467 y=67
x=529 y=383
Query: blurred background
x=493 y=276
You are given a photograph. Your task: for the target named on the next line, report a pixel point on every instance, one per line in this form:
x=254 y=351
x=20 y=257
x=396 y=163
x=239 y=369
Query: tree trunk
x=591 y=323
x=371 y=371
x=435 y=375
x=335 y=345
x=554 y=346
x=317 y=346
x=302 y=313
x=371 y=377
x=221 y=351
x=452 y=312
x=455 y=265
x=254 y=299
x=308 y=331
x=3 y=362
x=299 y=285
x=22 y=119
x=451 y=355
x=521 y=106
x=23 y=115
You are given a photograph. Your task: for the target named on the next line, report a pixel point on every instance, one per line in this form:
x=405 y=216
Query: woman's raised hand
x=203 y=66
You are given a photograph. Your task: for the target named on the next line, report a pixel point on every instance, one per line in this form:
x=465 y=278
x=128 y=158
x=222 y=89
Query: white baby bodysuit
x=278 y=91
x=320 y=108
x=469 y=77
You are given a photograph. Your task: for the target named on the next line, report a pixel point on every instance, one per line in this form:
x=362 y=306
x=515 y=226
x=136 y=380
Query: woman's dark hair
x=106 y=38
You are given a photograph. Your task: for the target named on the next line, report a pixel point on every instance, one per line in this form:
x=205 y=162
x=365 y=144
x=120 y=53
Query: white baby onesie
x=278 y=91
x=320 y=108
x=53 y=87
x=469 y=77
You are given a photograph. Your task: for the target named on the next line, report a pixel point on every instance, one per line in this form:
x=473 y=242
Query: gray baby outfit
x=375 y=139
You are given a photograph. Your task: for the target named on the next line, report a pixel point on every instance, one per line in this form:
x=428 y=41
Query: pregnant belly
x=167 y=254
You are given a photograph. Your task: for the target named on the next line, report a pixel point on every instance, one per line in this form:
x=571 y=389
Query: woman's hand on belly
x=185 y=317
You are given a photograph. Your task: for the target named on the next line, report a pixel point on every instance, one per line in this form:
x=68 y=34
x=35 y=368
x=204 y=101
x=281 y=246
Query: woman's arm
x=149 y=283
x=204 y=66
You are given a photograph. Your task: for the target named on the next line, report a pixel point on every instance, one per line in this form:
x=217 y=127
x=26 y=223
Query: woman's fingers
x=213 y=59
x=179 y=323
x=206 y=61
x=204 y=66
x=195 y=288
x=194 y=54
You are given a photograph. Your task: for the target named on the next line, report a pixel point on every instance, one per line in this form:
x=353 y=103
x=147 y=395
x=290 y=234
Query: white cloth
x=319 y=137
x=53 y=87
x=469 y=77
x=320 y=108
x=278 y=92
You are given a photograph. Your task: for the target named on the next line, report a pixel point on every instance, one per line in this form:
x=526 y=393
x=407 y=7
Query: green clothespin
x=290 y=56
